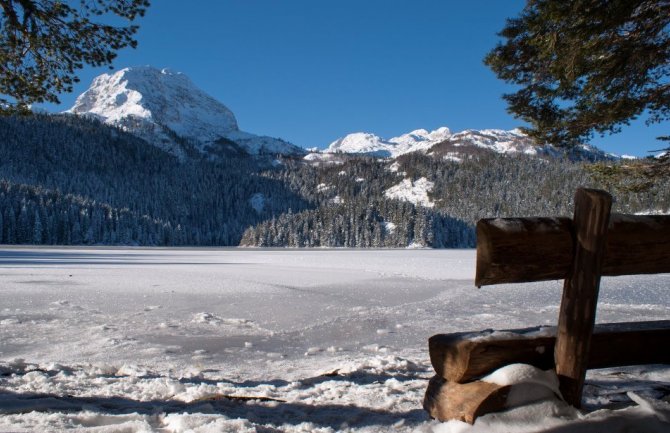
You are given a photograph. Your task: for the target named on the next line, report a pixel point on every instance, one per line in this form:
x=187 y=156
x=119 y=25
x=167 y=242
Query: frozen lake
x=85 y=329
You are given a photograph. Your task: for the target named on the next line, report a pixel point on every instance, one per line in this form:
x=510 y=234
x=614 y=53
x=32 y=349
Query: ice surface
x=209 y=340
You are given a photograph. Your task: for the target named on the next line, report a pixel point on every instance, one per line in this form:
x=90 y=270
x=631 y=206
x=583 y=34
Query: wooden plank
x=630 y=343
x=458 y=358
x=466 y=356
x=517 y=250
x=511 y=250
x=637 y=244
x=577 y=315
x=446 y=401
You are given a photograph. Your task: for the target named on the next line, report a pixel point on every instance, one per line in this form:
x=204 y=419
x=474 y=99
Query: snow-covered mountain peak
x=454 y=146
x=359 y=142
x=371 y=144
x=159 y=104
x=422 y=136
x=161 y=96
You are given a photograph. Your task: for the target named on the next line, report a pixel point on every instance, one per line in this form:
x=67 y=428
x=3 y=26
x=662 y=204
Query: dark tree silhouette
x=44 y=42
x=586 y=66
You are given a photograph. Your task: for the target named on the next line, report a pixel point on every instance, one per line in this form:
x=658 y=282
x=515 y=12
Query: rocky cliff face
x=168 y=110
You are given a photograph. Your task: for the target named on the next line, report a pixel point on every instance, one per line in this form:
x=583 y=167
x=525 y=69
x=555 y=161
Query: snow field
x=177 y=340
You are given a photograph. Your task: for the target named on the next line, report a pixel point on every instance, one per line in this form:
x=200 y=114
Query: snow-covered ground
x=177 y=340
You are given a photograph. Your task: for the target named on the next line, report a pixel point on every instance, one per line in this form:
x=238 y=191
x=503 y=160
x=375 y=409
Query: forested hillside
x=209 y=201
x=33 y=215
x=71 y=180
x=353 y=208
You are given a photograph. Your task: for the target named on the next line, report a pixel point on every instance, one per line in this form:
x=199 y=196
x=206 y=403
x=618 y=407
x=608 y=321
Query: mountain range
x=144 y=157
x=455 y=146
x=166 y=109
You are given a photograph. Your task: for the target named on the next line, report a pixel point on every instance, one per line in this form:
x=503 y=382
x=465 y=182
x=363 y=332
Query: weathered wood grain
x=460 y=358
x=577 y=315
x=446 y=401
x=512 y=250
x=517 y=250
x=637 y=244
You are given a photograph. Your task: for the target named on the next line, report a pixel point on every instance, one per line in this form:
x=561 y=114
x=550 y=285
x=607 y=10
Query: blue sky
x=311 y=71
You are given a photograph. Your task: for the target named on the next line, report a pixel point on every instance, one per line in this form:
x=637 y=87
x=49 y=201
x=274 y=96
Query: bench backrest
x=579 y=250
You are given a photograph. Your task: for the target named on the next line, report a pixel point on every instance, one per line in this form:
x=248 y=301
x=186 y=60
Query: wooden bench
x=580 y=251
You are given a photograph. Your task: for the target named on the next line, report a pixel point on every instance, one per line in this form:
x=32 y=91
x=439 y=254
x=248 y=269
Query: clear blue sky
x=311 y=71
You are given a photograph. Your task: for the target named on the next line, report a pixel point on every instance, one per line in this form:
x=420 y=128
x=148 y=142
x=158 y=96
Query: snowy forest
x=67 y=180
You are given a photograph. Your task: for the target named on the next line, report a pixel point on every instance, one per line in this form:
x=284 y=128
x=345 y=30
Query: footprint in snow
x=212 y=319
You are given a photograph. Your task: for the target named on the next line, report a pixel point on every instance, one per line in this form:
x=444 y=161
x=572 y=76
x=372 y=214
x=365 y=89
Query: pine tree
x=43 y=43
x=585 y=66
x=37 y=229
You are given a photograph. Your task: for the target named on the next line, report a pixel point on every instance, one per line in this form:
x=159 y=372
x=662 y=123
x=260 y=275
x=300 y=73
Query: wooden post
x=580 y=292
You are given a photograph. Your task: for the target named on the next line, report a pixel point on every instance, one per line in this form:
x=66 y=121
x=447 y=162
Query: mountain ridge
x=76 y=180
x=441 y=142
x=160 y=104
x=169 y=111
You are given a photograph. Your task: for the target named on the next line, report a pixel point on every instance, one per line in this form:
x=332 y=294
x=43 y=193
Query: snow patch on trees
x=415 y=192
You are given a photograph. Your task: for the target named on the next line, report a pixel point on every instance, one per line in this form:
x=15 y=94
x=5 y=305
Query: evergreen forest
x=67 y=180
